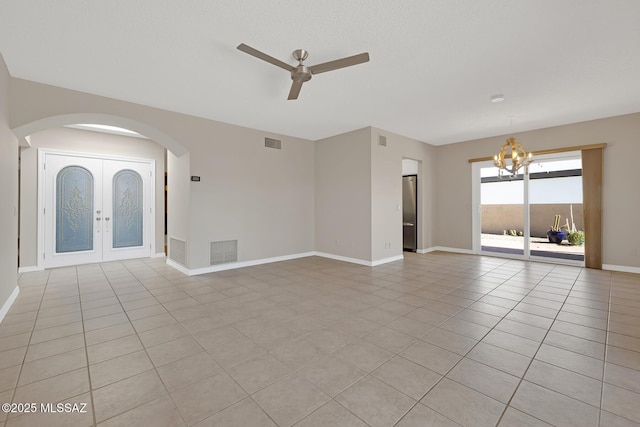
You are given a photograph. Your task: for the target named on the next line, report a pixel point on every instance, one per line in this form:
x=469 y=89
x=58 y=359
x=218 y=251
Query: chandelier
x=512 y=157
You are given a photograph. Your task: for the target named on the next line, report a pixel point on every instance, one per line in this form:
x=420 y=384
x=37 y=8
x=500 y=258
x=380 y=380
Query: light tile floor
x=438 y=339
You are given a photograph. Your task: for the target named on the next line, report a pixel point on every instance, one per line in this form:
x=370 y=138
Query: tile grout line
x=466 y=353
x=203 y=349
x=538 y=349
x=604 y=364
x=493 y=328
x=290 y=374
x=341 y=275
x=15 y=388
x=143 y=346
x=86 y=351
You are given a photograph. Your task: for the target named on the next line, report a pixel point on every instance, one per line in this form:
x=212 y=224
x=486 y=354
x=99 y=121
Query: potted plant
x=556 y=234
x=576 y=237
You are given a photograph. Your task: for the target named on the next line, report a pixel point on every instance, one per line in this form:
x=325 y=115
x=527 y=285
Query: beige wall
x=343 y=195
x=386 y=192
x=81 y=141
x=9 y=205
x=178 y=196
x=338 y=198
x=359 y=194
x=621 y=177
x=262 y=197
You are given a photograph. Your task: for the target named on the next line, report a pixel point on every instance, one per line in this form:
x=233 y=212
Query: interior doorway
x=410 y=197
x=534 y=216
x=95 y=208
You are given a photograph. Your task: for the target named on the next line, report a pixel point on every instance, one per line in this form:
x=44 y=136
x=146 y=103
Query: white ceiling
x=434 y=63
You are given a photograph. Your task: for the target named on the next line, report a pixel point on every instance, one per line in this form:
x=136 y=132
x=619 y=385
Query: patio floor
x=539 y=246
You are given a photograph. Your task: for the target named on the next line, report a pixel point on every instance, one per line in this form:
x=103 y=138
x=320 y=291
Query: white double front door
x=96 y=209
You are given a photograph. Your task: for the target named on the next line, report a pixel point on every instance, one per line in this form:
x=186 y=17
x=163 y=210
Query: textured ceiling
x=434 y=63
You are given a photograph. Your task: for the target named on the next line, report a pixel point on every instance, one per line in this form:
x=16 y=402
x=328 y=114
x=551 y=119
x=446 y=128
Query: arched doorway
x=35 y=249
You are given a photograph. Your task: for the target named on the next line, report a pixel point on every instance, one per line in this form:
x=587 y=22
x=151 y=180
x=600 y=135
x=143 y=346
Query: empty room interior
x=320 y=213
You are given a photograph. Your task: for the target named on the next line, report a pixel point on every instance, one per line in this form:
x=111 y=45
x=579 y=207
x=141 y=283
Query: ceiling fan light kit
x=301 y=73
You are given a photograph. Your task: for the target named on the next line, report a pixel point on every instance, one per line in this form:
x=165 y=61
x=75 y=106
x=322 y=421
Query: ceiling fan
x=301 y=73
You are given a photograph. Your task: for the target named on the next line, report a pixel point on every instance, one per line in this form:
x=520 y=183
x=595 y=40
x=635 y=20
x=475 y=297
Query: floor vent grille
x=223 y=252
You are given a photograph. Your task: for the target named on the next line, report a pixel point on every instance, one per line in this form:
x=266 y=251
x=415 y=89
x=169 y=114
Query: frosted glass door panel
x=72 y=214
x=128 y=221
x=127 y=192
x=74 y=210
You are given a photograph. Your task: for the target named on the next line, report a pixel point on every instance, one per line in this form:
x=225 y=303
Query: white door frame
x=42 y=153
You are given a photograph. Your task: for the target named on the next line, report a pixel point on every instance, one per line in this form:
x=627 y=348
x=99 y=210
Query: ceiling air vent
x=382 y=140
x=273 y=143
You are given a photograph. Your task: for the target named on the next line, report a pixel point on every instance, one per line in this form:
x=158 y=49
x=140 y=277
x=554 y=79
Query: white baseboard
x=621 y=268
x=234 y=265
x=29 y=269
x=8 y=303
x=159 y=255
x=179 y=267
x=343 y=258
x=359 y=261
x=446 y=249
x=387 y=260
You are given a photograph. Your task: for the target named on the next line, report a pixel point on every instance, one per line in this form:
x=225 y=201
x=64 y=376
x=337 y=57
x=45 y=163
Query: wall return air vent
x=223 y=252
x=177 y=251
x=382 y=140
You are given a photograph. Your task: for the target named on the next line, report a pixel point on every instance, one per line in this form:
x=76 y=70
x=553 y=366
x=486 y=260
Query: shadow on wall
x=497 y=218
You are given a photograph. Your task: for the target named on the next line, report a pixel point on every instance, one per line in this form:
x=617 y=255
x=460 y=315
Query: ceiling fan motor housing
x=301 y=74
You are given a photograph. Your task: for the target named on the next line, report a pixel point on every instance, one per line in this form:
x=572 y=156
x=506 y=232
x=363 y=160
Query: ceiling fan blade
x=261 y=55
x=295 y=90
x=340 y=63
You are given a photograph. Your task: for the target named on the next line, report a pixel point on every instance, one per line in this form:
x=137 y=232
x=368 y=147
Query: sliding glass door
x=555 y=209
x=534 y=216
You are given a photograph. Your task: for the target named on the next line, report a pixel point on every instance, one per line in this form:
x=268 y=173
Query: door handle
x=98 y=219
x=107 y=218
x=408 y=224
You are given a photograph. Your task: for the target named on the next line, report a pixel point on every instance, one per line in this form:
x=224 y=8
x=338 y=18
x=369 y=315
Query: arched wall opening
x=172 y=145
x=169 y=154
